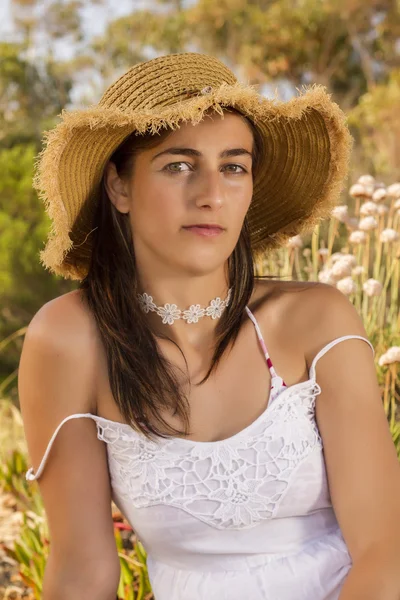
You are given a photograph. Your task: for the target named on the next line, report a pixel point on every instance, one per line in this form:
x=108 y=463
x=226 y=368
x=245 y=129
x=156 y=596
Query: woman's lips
x=205 y=230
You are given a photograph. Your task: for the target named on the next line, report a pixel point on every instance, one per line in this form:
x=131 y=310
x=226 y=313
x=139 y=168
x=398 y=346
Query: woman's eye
x=242 y=169
x=171 y=166
x=175 y=167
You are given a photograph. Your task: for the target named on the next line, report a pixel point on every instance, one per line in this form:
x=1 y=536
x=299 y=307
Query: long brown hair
x=142 y=380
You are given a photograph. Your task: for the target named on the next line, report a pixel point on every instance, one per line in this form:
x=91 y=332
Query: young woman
x=177 y=383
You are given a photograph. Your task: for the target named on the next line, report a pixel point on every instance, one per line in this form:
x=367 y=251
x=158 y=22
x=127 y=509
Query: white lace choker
x=170 y=312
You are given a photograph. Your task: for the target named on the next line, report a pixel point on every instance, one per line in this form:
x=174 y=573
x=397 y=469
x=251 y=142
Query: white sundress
x=249 y=516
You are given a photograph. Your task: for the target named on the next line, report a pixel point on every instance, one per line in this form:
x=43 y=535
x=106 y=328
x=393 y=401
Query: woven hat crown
x=165 y=81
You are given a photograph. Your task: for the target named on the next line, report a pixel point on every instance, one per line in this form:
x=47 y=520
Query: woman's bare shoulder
x=64 y=334
x=283 y=295
x=291 y=308
x=63 y=312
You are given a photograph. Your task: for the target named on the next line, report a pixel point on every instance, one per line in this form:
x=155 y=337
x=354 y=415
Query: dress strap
x=319 y=355
x=262 y=344
x=330 y=345
x=30 y=475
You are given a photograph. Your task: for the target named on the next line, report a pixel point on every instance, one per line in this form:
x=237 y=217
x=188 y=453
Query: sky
x=5 y=21
x=94 y=17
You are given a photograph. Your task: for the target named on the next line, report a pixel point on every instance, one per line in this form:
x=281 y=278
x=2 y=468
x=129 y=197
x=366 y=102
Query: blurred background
x=57 y=54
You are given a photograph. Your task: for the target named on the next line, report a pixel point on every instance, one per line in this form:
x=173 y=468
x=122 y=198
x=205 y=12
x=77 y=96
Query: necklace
x=170 y=312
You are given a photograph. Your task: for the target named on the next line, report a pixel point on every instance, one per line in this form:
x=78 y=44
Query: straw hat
x=303 y=165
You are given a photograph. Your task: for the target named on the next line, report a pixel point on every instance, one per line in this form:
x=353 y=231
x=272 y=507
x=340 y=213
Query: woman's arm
x=78 y=584
x=374 y=576
x=361 y=461
x=56 y=378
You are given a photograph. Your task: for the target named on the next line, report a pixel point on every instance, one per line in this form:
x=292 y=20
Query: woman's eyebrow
x=193 y=152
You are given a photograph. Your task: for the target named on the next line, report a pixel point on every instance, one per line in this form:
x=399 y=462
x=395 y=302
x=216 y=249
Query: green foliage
x=347 y=46
x=395 y=431
x=22 y=222
x=134 y=581
x=376 y=120
x=31 y=551
x=63 y=19
x=12 y=479
x=24 y=284
x=32 y=92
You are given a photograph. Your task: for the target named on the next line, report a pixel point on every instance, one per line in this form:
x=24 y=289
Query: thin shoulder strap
x=262 y=343
x=330 y=345
x=30 y=475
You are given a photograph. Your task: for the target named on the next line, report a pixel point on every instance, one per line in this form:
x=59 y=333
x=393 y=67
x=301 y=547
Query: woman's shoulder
x=314 y=302
x=283 y=296
x=64 y=320
x=305 y=315
x=294 y=309
x=63 y=333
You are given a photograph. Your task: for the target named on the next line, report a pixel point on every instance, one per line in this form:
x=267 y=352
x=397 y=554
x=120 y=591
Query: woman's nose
x=210 y=190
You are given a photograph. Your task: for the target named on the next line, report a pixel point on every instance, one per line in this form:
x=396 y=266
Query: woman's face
x=199 y=175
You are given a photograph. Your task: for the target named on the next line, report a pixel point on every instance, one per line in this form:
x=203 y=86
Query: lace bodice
x=233 y=483
x=234 y=504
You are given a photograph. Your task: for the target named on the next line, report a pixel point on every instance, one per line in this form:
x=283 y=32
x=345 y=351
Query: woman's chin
x=203 y=265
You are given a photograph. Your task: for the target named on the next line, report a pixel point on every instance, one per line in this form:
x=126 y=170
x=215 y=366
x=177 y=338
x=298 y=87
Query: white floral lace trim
x=234 y=483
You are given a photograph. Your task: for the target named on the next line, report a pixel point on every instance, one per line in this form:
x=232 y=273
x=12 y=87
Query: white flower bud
x=391 y=356
x=357 y=237
x=336 y=256
x=341 y=213
x=306 y=252
x=394 y=353
x=349 y=258
x=341 y=269
x=357 y=191
x=382 y=209
x=295 y=242
x=394 y=190
x=389 y=235
x=372 y=287
x=379 y=195
x=368 y=223
x=366 y=180
x=368 y=208
x=358 y=270
x=369 y=190
x=325 y=276
x=323 y=251
x=347 y=286
x=383 y=360
x=363 y=190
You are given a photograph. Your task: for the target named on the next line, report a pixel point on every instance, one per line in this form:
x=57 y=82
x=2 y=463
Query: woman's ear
x=116 y=188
